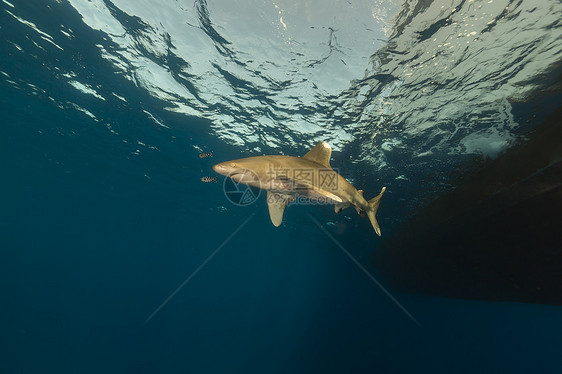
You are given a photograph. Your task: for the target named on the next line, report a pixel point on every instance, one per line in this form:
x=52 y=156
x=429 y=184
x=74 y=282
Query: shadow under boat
x=497 y=236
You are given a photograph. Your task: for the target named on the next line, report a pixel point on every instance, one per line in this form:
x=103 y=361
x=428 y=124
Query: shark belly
x=296 y=188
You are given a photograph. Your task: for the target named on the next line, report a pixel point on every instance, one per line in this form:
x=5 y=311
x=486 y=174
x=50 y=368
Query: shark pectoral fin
x=276 y=203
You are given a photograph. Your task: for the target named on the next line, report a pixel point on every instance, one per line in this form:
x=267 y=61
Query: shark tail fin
x=373 y=207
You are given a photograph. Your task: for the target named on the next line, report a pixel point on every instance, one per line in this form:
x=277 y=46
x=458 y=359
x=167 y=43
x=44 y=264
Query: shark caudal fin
x=373 y=207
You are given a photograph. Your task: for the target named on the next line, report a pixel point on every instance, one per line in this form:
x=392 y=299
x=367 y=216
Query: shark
x=287 y=177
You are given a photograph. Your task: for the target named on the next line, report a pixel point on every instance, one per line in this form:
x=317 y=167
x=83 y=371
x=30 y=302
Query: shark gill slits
x=209 y=179
x=206 y=154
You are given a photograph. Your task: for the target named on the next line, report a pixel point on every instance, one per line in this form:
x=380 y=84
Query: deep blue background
x=90 y=248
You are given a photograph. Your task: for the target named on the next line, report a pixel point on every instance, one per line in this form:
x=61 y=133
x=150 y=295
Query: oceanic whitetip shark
x=310 y=176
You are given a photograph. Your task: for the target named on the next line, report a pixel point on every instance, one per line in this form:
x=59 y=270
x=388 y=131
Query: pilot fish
x=208 y=154
x=209 y=179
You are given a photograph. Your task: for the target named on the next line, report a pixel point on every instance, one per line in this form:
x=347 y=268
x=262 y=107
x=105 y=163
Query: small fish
x=209 y=179
x=208 y=154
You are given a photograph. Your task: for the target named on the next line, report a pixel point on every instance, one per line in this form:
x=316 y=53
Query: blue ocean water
x=105 y=106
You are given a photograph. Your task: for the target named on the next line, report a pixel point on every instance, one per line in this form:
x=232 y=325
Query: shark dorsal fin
x=320 y=154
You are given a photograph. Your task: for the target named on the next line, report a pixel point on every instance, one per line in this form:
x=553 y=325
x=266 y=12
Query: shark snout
x=236 y=172
x=224 y=168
